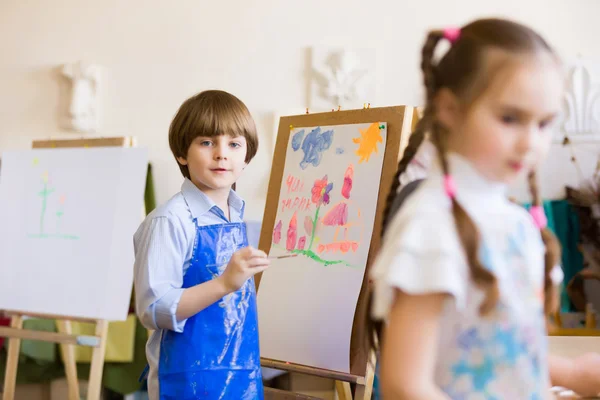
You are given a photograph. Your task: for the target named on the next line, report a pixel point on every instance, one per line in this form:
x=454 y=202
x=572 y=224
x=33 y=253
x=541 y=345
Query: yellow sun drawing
x=367 y=142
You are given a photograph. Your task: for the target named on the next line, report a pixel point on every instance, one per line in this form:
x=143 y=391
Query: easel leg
x=68 y=356
x=364 y=392
x=96 y=370
x=343 y=390
x=14 y=344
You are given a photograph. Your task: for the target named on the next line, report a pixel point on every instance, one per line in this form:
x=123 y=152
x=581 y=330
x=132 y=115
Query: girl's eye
x=205 y=143
x=546 y=123
x=509 y=119
x=235 y=144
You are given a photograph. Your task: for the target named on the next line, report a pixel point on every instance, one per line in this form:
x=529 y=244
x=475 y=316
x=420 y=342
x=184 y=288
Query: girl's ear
x=182 y=161
x=447 y=108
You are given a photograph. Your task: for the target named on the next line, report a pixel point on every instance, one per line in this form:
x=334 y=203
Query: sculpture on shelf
x=83 y=108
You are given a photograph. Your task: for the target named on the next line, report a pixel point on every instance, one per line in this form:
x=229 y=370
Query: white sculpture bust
x=83 y=108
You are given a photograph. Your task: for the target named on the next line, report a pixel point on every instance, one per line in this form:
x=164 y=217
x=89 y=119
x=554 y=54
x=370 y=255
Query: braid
x=533 y=189
x=552 y=251
x=469 y=236
x=417 y=136
x=375 y=328
x=427 y=66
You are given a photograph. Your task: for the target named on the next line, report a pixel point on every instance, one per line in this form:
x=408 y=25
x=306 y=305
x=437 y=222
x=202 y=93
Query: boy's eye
x=235 y=144
x=205 y=143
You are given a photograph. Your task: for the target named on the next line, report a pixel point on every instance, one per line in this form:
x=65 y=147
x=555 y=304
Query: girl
x=464 y=277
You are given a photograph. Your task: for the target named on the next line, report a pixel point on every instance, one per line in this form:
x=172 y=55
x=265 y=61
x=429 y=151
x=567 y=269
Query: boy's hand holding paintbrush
x=245 y=263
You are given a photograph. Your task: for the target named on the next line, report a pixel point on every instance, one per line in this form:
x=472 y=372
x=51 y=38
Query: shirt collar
x=199 y=203
x=471 y=185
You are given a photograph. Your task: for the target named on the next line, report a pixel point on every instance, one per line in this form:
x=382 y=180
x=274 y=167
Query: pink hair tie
x=452 y=34
x=449 y=186
x=539 y=217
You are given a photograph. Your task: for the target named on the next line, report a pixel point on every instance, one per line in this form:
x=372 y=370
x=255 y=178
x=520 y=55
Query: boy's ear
x=182 y=161
x=447 y=108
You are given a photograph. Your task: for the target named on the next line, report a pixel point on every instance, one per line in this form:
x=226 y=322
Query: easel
x=362 y=362
x=64 y=335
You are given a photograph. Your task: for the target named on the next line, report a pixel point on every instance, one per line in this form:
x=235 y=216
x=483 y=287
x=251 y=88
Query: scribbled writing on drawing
x=294 y=202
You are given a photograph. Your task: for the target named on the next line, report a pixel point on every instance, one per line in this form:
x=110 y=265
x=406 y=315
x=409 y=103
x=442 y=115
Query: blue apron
x=217 y=354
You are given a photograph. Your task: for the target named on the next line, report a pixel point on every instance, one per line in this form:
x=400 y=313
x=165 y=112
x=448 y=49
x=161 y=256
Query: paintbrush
x=284 y=256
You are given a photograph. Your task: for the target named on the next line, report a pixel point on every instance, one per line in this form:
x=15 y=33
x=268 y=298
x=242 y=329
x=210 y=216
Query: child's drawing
x=325 y=218
x=318 y=217
x=368 y=141
x=53 y=231
x=313 y=145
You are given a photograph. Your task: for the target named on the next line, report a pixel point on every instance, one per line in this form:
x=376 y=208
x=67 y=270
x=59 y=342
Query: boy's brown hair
x=208 y=114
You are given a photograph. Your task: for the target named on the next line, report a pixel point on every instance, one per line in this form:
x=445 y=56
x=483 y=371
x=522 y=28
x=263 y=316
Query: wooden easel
x=64 y=336
x=362 y=363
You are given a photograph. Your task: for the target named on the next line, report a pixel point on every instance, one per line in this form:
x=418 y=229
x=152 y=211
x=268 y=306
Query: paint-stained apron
x=217 y=355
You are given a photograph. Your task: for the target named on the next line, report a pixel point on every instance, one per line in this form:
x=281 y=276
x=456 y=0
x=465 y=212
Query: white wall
x=156 y=54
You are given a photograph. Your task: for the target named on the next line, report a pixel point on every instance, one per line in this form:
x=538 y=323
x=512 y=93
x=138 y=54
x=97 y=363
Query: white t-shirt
x=500 y=356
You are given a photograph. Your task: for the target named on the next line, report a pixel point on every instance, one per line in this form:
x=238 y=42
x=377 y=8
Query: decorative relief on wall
x=341 y=78
x=581 y=119
x=83 y=103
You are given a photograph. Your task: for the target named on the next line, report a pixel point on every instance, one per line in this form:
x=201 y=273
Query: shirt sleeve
x=420 y=254
x=159 y=257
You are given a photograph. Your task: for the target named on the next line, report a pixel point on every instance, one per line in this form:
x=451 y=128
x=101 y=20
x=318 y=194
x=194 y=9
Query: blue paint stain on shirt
x=339 y=150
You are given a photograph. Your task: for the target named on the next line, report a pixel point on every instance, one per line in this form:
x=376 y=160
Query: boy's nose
x=220 y=153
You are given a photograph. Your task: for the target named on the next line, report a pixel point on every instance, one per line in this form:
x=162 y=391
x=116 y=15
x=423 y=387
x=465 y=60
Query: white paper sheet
x=67 y=219
x=306 y=303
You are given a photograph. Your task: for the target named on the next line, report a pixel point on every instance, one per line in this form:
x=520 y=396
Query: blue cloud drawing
x=313 y=146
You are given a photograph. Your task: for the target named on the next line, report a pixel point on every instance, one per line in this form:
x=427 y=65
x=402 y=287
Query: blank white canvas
x=67 y=218
x=305 y=307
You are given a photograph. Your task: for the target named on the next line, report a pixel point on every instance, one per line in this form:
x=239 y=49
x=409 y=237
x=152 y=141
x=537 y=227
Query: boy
x=193 y=268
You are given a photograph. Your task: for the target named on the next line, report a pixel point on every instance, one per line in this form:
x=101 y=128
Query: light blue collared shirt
x=163 y=246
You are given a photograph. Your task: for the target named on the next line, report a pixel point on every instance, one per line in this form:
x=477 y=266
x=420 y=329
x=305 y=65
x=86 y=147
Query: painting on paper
x=67 y=216
x=325 y=216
